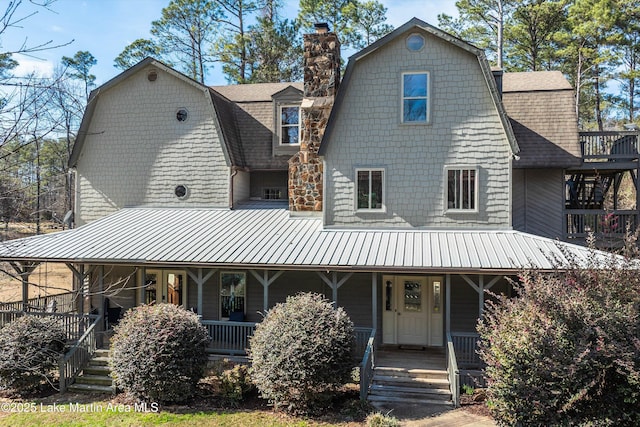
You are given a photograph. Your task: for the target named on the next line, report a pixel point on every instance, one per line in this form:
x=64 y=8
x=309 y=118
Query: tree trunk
x=598 y=95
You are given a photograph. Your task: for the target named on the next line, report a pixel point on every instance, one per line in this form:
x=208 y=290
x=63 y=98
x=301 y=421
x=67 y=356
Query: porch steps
x=395 y=385
x=96 y=376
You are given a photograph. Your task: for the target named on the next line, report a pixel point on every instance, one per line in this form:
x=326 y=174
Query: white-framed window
x=233 y=292
x=415 y=97
x=462 y=189
x=370 y=189
x=289 y=124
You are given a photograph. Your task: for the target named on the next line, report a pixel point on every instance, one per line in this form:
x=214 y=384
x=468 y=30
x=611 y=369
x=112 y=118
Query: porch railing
x=609 y=146
x=229 y=337
x=74 y=325
x=453 y=372
x=78 y=356
x=65 y=302
x=367 y=365
x=465 y=345
x=581 y=222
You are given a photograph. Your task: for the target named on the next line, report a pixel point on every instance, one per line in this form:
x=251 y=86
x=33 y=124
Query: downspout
x=234 y=172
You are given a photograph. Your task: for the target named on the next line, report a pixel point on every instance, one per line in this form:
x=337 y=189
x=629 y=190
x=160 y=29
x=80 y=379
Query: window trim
x=280 y=125
x=476 y=186
x=383 y=208
x=427 y=98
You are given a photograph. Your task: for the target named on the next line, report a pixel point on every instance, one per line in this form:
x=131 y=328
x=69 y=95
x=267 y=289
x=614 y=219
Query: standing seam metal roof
x=270 y=238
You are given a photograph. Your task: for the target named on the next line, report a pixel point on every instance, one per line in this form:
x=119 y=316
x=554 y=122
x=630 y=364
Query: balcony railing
x=609 y=146
x=601 y=223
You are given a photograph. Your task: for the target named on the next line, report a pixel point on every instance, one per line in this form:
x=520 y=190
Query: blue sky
x=105 y=27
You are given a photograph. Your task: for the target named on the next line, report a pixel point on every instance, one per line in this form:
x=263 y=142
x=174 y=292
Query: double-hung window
x=289 y=125
x=415 y=97
x=370 y=189
x=462 y=189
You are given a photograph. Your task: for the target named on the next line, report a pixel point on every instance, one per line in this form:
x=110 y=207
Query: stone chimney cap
x=321 y=27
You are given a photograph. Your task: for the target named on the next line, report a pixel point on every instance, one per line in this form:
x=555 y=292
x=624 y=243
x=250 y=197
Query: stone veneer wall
x=321 y=80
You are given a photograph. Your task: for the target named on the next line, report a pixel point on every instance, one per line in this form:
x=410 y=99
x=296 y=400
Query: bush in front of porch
x=302 y=352
x=566 y=349
x=29 y=350
x=159 y=353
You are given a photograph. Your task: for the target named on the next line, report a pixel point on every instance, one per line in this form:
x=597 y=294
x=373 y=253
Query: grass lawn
x=114 y=417
x=206 y=409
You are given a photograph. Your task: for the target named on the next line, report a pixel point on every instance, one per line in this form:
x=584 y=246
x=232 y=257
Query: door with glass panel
x=168 y=286
x=412 y=312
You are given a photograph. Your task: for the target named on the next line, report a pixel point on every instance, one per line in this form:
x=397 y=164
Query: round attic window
x=182 y=114
x=152 y=75
x=415 y=42
x=181 y=191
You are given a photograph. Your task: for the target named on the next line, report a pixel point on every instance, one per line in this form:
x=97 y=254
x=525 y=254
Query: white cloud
x=27 y=65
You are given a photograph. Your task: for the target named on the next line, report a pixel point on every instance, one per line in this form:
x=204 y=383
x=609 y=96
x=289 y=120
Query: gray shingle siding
x=136 y=152
x=465 y=130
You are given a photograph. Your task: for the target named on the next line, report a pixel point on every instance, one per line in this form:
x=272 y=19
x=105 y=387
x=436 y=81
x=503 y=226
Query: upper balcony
x=610 y=150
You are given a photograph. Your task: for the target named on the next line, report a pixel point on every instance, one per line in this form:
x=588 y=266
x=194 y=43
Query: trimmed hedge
x=159 y=353
x=30 y=347
x=302 y=352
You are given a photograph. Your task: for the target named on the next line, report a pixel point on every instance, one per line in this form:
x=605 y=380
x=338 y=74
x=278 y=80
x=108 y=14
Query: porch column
x=334 y=283
x=265 y=281
x=480 y=288
x=100 y=326
x=374 y=300
x=199 y=278
x=79 y=275
x=24 y=271
x=143 y=285
x=447 y=291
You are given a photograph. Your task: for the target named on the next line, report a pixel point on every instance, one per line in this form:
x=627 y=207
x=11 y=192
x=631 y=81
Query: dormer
x=287 y=121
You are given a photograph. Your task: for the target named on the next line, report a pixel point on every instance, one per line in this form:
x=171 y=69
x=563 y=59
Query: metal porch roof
x=270 y=238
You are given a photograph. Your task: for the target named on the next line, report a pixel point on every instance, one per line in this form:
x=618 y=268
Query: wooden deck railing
x=609 y=146
x=367 y=364
x=229 y=337
x=453 y=372
x=465 y=345
x=581 y=222
x=65 y=303
x=78 y=356
x=73 y=324
x=362 y=340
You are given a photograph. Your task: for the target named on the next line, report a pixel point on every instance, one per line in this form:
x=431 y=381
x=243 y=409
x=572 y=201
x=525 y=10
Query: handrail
x=367 y=365
x=453 y=372
x=63 y=301
x=74 y=360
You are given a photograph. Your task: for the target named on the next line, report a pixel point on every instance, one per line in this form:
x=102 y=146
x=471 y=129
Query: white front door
x=412 y=310
x=412 y=315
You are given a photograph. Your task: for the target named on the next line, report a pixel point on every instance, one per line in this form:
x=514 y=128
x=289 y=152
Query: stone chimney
x=321 y=80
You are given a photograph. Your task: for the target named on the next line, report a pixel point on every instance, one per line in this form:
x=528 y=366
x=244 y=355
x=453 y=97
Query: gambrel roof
x=541 y=107
x=398 y=32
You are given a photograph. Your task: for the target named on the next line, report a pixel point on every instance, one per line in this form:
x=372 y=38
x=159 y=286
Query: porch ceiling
x=269 y=238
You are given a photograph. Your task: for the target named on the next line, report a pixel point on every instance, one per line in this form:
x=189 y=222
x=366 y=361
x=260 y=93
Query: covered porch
x=412 y=287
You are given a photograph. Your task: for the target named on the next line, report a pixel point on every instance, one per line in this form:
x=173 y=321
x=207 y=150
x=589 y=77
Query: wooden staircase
x=96 y=376
x=408 y=377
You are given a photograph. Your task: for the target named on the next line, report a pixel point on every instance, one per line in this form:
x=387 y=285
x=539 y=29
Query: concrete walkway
x=436 y=416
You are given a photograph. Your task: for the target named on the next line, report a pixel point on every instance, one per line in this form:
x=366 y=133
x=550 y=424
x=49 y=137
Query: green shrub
x=565 y=350
x=378 y=419
x=235 y=383
x=159 y=353
x=29 y=351
x=302 y=352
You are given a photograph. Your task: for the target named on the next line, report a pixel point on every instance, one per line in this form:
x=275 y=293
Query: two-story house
x=402 y=191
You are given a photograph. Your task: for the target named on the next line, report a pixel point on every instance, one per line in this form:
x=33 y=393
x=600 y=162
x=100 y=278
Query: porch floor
x=428 y=358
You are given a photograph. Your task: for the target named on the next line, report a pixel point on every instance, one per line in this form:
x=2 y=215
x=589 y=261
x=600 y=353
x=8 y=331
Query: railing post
x=63 y=374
